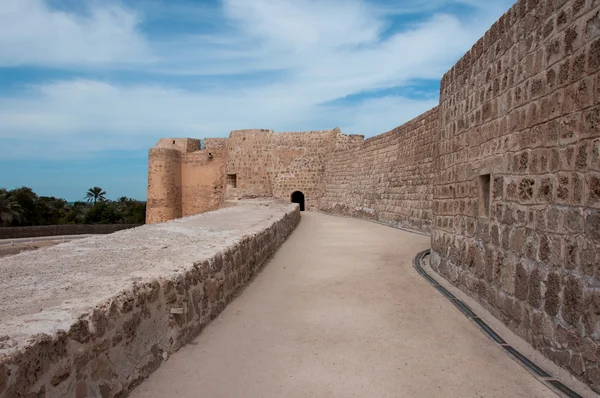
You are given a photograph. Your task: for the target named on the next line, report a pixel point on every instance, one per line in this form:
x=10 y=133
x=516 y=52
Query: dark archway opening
x=298 y=197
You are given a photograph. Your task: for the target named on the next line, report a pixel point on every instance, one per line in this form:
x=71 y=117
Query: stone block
x=578 y=188
x=577 y=364
x=552 y=295
x=573 y=221
x=594 y=56
x=535 y=294
x=591 y=350
x=592 y=226
x=591 y=122
x=572 y=307
x=593 y=189
x=545 y=192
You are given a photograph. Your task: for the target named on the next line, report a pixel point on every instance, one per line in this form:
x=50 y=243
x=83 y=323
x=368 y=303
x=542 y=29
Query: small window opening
x=484 y=195
x=173 y=142
x=232 y=180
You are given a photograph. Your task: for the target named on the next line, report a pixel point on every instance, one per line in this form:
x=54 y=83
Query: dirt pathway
x=340 y=312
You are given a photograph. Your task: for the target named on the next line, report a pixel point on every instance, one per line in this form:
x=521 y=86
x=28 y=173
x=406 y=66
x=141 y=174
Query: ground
x=340 y=312
x=8 y=250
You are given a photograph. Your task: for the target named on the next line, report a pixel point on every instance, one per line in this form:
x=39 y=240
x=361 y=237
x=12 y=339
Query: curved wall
x=520 y=114
x=386 y=178
x=164 y=185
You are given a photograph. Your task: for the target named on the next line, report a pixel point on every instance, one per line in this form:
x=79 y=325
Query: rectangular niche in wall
x=484 y=195
x=232 y=180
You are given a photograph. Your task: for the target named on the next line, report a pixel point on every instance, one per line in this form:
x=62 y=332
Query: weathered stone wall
x=185 y=180
x=299 y=164
x=63 y=229
x=269 y=164
x=250 y=160
x=202 y=180
x=388 y=177
x=103 y=335
x=164 y=185
x=523 y=107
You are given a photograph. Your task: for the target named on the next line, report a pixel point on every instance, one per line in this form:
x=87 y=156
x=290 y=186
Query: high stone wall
x=386 y=178
x=523 y=107
x=269 y=164
x=184 y=180
x=250 y=159
x=299 y=164
x=202 y=180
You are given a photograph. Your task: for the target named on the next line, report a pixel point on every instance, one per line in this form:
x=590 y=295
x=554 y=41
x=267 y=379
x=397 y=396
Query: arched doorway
x=298 y=197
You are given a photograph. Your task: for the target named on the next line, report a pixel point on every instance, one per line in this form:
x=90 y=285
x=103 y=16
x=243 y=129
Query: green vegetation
x=95 y=194
x=23 y=207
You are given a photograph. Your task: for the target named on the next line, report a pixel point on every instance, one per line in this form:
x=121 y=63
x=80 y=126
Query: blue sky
x=87 y=87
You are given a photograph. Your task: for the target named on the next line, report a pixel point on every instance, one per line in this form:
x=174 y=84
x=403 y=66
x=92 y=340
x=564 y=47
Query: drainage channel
x=534 y=369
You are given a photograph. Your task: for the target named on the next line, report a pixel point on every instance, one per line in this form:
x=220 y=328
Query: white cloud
x=321 y=51
x=73 y=119
x=31 y=33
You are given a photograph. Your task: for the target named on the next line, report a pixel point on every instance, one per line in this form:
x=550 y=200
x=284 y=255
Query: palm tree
x=9 y=209
x=95 y=194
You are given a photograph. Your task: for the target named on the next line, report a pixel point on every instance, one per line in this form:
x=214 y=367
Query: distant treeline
x=23 y=207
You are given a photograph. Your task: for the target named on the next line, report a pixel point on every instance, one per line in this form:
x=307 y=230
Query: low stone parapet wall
x=95 y=317
x=59 y=230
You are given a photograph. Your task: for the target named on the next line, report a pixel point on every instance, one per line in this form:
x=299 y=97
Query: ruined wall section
x=522 y=111
x=215 y=143
x=183 y=145
x=386 y=178
x=202 y=180
x=299 y=164
x=249 y=164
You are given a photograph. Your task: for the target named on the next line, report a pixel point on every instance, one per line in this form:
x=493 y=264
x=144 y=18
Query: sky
x=88 y=86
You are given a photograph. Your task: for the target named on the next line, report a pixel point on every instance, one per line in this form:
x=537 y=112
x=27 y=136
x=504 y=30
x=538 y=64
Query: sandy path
x=340 y=312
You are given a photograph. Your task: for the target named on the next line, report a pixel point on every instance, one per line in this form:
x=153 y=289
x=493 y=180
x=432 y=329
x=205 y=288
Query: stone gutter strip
x=538 y=372
x=111 y=348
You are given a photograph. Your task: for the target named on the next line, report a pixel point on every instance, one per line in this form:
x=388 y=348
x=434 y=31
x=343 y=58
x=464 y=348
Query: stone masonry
x=184 y=179
x=386 y=178
x=516 y=187
x=504 y=173
x=114 y=307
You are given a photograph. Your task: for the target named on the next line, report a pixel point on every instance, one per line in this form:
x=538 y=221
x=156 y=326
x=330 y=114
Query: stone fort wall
x=386 y=178
x=516 y=187
x=269 y=164
x=504 y=173
x=185 y=179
